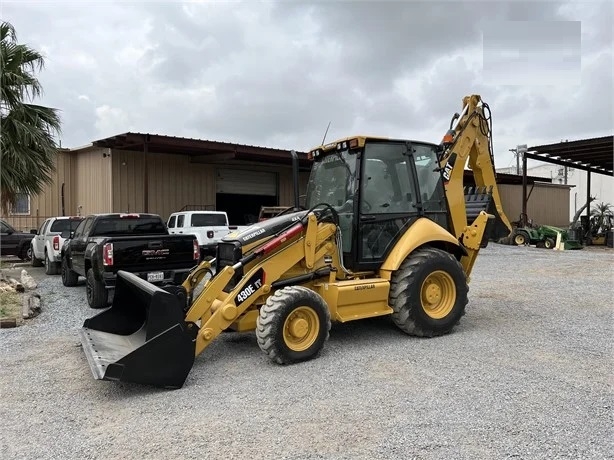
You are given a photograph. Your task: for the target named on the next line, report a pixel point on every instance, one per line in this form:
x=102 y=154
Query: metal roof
x=207 y=149
x=594 y=155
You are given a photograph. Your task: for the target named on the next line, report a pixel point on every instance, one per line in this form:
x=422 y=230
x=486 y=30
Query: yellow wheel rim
x=301 y=328
x=519 y=239
x=438 y=294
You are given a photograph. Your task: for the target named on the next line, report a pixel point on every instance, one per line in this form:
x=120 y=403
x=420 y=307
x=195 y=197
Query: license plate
x=155 y=276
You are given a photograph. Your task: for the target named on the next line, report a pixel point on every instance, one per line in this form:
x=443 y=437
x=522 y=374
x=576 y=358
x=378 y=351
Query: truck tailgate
x=136 y=253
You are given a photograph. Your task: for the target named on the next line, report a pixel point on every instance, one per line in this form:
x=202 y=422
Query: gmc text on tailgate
x=103 y=244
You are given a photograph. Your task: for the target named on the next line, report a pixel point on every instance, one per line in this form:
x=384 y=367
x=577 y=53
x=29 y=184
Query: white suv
x=208 y=226
x=47 y=244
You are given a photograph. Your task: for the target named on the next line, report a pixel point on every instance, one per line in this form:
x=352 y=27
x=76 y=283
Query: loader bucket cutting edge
x=142 y=338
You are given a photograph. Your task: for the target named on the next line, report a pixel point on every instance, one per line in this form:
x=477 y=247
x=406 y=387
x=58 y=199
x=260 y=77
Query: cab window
x=387 y=185
x=171 y=222
x=81 y=227
x=41 y=229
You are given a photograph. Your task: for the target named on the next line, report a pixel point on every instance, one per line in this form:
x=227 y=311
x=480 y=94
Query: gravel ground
x=527 y=374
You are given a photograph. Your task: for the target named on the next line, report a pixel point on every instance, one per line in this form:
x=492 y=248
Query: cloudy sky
x=275 y=73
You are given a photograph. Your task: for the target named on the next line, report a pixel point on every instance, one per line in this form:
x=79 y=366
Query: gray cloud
x=276 y=73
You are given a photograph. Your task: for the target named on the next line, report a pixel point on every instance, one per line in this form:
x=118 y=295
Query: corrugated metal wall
x=93 y=181
x=547 y=205
x=286 y=187
x=49 y=203
x=173 y=182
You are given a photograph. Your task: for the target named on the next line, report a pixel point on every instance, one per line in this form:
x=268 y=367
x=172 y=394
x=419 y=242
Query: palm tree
x=27 y=145
x=601 y=218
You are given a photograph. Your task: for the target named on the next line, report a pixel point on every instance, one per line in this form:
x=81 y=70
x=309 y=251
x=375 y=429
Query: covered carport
x=594 y=156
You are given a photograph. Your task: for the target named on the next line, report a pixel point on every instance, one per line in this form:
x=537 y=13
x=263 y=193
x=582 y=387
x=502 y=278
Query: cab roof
x=360 y=141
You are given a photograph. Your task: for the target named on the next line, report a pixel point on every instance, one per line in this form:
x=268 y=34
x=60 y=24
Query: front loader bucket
x=142 y=338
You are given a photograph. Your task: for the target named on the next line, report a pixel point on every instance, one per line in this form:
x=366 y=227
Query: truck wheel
x=25 y=252
x=97 y=295
x=293 y=325
x=428 y=293
x=51 y=268
x=69 y=278
x=35 y=262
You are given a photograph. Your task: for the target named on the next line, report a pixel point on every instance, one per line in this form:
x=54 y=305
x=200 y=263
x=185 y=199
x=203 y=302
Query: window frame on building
x=15 y=211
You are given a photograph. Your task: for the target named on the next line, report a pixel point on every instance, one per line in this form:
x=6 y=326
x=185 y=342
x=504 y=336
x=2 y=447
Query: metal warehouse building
x=138 y=172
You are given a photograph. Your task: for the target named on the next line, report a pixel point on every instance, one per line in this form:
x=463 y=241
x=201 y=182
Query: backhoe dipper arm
x=469 y=140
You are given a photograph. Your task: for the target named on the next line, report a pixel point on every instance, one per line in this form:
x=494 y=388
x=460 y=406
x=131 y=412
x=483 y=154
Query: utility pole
x=520 y=151
x=565 y=175
x=515 y=152
x=517 y=163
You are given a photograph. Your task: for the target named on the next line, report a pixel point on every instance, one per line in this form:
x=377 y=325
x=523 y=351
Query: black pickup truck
x=103 y=244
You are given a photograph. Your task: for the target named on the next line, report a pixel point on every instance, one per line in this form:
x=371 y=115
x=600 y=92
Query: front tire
x=293 y=325
x=97 y=295
x=549 y=243
x=428 y=293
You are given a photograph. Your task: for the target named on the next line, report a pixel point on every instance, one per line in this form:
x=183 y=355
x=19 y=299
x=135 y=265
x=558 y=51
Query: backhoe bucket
x=479 y=199
x=142 y=338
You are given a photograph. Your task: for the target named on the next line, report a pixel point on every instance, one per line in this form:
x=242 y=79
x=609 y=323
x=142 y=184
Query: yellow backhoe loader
x=387 y=229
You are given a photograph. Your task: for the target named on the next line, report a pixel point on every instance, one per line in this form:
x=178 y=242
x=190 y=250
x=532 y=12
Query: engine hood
x=264 y=229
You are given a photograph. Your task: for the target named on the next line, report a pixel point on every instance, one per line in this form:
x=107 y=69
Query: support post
x=523 y=217
x=588 y=207
x=146 y=176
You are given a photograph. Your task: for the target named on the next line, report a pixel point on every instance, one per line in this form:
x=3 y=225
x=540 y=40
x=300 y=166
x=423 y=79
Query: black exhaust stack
x=297 y=204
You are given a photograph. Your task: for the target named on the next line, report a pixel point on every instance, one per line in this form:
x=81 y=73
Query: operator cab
x=379 y=187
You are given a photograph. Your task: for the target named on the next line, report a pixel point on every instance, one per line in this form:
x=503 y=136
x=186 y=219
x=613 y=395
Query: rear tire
x=51 y=268
x=25 y=253
x=35 y=262
x=293 y=325
x=69 y=278
x=549 y=243
x=521 y=238
x=428 y=293
x=97 y=294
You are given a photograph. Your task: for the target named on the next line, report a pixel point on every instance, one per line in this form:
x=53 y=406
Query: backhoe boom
x=470 y=142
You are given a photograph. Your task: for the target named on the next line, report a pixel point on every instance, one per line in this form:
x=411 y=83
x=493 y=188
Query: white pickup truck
x=47 y=244
x=209 y=227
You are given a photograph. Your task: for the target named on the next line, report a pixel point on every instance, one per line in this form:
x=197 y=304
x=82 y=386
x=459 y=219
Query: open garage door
x=241 y=193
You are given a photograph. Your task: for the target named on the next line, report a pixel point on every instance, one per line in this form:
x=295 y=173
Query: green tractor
x=545 y=236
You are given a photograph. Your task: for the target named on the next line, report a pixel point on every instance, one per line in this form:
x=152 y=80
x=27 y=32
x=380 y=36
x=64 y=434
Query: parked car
x=15 y=243
x=103 y=244
x=209 y=227
x=47 y=245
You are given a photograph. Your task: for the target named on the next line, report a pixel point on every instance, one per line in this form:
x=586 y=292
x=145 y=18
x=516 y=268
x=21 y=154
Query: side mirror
x=66 y=234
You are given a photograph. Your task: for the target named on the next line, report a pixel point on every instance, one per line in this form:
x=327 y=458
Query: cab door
x=171 y=224
x=38 y=242
x=388 y=201
x=181 y=223
x=78 y=243
x=8 y=241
